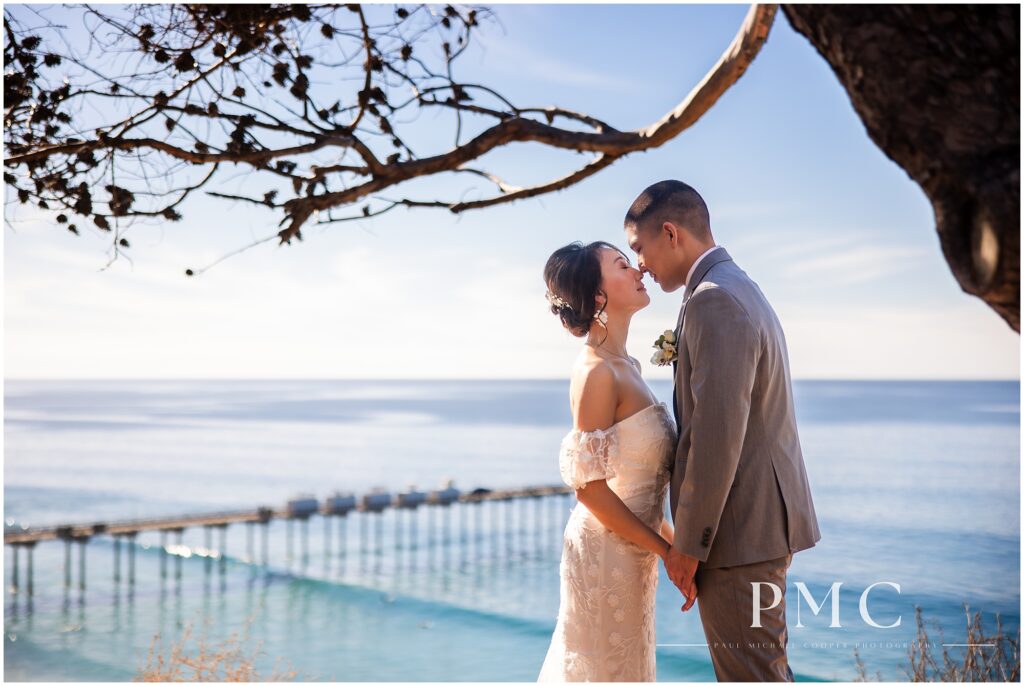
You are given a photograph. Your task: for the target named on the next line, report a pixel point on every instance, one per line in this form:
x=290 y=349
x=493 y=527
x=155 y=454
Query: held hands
x=681 y=569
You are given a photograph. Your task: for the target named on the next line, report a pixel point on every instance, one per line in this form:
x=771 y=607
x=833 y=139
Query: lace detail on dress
x=588 y=456
x=605 y=626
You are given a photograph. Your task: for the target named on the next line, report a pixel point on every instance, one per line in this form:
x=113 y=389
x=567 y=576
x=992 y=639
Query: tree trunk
x=938 y=89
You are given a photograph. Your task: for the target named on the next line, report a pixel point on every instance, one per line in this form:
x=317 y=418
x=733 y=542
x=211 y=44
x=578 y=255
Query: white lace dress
x=605 y=626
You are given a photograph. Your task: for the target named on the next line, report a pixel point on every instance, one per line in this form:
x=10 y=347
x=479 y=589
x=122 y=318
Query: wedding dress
x=605 y=625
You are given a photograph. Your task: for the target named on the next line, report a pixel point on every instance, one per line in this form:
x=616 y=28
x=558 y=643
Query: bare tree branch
x=205 y=65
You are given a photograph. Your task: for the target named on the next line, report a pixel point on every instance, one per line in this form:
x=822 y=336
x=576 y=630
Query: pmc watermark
x=816 y=608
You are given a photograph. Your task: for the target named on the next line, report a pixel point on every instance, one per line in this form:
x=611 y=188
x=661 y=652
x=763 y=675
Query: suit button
x=707 y=531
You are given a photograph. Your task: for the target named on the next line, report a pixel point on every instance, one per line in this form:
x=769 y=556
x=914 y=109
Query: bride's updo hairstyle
x=573 y=278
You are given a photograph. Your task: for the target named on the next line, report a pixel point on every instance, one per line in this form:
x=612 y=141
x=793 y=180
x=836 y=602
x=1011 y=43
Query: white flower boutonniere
x=666 y=349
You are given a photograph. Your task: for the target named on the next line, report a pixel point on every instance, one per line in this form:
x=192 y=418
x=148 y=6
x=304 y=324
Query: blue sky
x=838 y=237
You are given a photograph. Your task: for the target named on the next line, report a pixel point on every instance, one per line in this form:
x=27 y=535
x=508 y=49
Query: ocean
x=916 y=487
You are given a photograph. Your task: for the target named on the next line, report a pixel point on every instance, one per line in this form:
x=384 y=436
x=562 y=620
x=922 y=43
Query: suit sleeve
x=724 y=349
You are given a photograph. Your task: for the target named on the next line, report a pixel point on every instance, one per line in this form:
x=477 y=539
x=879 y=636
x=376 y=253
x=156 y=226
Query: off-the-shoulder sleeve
x=588 y=456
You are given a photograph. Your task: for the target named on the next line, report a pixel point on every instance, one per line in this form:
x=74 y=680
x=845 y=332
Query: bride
x=617 y=457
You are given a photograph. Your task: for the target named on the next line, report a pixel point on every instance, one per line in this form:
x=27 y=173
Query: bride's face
x=622 y=282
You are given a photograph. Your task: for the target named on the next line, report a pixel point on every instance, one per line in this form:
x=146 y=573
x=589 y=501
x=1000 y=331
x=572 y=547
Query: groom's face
x=654 y=253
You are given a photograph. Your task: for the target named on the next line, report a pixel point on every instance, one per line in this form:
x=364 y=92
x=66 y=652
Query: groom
x=740 y=497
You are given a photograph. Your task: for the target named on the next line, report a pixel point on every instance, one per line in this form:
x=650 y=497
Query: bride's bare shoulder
x=593 y=393
x=591 y=369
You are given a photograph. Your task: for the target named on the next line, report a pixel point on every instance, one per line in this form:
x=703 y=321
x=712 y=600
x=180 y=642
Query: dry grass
x=985 y=657
x=862 y=672
x=227 y=661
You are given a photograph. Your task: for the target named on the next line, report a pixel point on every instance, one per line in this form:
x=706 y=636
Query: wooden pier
x=300 y=508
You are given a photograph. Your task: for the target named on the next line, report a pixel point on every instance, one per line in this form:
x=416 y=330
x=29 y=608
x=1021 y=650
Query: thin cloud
x=848 y=258
x=888 y=342
x=532 y=62
x=858 y=264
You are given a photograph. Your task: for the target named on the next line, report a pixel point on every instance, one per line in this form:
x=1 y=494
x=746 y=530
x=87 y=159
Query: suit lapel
x=713 y=258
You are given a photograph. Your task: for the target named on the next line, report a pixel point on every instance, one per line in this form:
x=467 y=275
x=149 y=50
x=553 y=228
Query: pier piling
x=472 y=540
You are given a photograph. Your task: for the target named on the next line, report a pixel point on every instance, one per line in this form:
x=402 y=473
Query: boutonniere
x=666 y=349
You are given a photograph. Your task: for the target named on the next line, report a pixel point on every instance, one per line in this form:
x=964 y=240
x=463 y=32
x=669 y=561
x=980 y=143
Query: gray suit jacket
x=739 y=490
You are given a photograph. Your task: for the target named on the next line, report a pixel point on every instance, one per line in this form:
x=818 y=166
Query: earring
x=602 y=318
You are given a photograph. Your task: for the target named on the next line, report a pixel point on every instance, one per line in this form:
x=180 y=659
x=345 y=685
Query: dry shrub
x=985 y=657
x=226 y=661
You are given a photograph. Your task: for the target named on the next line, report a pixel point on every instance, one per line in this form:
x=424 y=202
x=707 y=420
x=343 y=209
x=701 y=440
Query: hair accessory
x=555 y=300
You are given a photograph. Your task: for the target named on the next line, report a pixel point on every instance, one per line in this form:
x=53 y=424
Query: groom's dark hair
x=670 y=201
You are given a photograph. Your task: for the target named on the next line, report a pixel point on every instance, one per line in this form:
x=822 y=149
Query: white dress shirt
x=697 y=261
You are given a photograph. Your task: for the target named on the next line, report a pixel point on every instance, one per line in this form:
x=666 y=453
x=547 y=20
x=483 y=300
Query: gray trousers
x=740 y=651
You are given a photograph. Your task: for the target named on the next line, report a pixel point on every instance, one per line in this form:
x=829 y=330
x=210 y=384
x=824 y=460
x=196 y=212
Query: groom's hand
x=681 y=569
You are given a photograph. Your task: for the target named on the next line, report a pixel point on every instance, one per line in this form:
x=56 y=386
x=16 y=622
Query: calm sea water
x=915 y=484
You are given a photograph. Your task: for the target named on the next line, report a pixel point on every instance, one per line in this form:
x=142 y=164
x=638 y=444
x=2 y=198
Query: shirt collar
x=697 y=261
